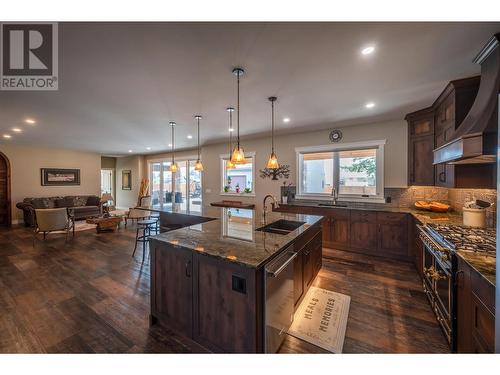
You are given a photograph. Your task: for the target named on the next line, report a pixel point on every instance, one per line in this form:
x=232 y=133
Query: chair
x=53 y=219
x=136 y=214
x=146 y=226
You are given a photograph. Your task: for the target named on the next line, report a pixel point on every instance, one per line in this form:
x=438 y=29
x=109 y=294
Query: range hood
x=475 y=139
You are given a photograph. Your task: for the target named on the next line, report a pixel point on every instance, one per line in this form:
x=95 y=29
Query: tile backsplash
x=454 y=197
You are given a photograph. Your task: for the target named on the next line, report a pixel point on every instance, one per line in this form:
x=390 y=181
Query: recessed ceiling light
x=148 y=148
x=368 y=50
x=170 y=145
x=30 y=121
x=189 y=136
x=129 y=150
x=17 y=130
x=7 y=136
x=231 y=129
x=370 y=105
x=286 y=119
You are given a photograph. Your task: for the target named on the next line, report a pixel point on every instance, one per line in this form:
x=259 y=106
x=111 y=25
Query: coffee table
x=105 y=224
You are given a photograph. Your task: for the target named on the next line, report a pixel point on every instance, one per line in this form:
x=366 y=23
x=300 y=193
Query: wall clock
x=335 y=135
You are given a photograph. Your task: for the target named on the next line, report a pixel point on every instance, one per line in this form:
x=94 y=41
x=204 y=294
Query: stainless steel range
x=441 y=242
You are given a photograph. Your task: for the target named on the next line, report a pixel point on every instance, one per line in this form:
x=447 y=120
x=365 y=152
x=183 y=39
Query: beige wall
x=26 y=162
x=128 y=198
x=395 y=133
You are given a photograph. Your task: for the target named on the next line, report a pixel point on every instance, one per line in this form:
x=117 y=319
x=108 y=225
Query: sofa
x=79 y=206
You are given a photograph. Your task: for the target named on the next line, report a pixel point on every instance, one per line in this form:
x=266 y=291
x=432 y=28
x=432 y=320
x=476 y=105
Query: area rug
x=80 y=226
x=321 y=319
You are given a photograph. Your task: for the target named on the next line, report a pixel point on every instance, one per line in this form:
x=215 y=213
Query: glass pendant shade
x=272 y=163
x=198 y=166
x=238 y=155
x=173 y=167
x=230 y=164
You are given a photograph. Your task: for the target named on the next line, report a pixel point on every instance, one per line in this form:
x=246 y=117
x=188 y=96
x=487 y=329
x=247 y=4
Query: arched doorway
x=5 y=208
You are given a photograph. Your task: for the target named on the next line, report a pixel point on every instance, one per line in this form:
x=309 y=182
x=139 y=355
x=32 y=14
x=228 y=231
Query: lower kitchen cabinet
x=174 y=303
x=475 y=311
x=336 y=228
x=364 y=232
x=377 y=233
x=392 y=234
x=217 y=303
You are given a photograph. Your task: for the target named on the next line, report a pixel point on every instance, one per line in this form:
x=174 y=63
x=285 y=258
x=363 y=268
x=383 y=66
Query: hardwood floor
x=89 y=296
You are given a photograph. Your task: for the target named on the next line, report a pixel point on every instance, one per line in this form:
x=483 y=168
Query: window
x=239 y=180
x=182 y=187
x=355 y=170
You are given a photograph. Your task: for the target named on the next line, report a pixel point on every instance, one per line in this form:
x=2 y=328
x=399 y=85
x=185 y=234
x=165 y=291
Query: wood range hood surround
x=475 y=140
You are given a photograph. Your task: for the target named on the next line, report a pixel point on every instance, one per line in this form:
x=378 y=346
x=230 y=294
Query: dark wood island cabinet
x=208 y=285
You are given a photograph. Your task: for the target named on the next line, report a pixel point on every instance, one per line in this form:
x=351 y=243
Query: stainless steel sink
x=281 y=226
x=332 y=205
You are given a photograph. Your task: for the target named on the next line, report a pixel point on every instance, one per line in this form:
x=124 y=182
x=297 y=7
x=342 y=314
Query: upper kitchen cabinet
x=420 y=146
x=450 y=109
x=435 y=126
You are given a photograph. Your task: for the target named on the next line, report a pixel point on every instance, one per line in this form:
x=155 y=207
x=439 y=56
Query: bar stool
x=156 y=216
x=145 y=226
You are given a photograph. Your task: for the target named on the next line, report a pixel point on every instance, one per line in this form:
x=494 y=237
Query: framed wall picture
x=60 y=177
x=126 y=180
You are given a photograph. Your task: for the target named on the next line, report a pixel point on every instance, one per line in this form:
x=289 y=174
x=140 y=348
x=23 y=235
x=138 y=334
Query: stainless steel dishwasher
x=279 y=299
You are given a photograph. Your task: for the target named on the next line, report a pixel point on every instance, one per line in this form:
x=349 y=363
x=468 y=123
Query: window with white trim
x=241 y=179
x=355 y=170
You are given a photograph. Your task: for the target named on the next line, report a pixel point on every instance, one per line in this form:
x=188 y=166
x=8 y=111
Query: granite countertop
x=484 y=265
x=421 y=215
x=232 y=236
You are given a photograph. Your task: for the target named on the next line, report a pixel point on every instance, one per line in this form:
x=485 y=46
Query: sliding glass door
x=182 y=187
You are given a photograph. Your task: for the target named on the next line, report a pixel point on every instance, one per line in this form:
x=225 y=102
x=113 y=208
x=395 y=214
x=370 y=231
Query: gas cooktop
x=455 y=237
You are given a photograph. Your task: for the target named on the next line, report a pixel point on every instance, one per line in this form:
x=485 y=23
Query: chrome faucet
x=334 y=195
x=274 y=204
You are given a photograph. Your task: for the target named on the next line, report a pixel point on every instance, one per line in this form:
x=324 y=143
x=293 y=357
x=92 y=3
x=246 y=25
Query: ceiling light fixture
x=7 y=136
x=286 y=119
x=272 y=163
x=189 y=136
x=16 y=130
x=173 y=166
x=148 y=148
x=238 y=155
x=229 y=163
x=370 y=105
x=30 y=121
x=368 y=50
x=129 y=150
x=199 y=165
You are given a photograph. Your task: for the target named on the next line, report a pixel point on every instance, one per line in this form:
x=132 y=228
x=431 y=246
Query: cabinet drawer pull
x=442 y=177
x=188 y=268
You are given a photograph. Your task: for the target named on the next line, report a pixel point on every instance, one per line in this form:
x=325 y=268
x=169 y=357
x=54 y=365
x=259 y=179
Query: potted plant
x=247 y=190
x=238 y=188
x=226 y=189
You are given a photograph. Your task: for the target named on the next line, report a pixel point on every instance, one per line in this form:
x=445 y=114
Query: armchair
x=53 y=219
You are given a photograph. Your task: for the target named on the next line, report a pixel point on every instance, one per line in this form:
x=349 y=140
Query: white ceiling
x=120 y=83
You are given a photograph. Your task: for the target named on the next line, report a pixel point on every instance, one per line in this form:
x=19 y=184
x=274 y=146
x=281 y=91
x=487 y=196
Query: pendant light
x=199 y=165
x=272 y=163
x=229 y=163
x=173 y=166
x=238 y=156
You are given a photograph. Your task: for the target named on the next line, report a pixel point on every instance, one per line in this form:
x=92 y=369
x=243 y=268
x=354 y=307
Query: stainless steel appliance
x=279 y=301
x=441 y=243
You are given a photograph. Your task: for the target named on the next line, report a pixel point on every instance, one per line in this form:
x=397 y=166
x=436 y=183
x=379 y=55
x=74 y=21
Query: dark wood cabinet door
x=463 y=306
x=420 y=159
x=317 y=255
x=483 y=325
x=298 y=278
x=226 y=307
x=339 y=225
x=364 y=231
x=392 y=235
x=173 y=288
x=307 y=269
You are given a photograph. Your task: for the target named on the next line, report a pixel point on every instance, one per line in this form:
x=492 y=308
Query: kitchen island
x=226 y=283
